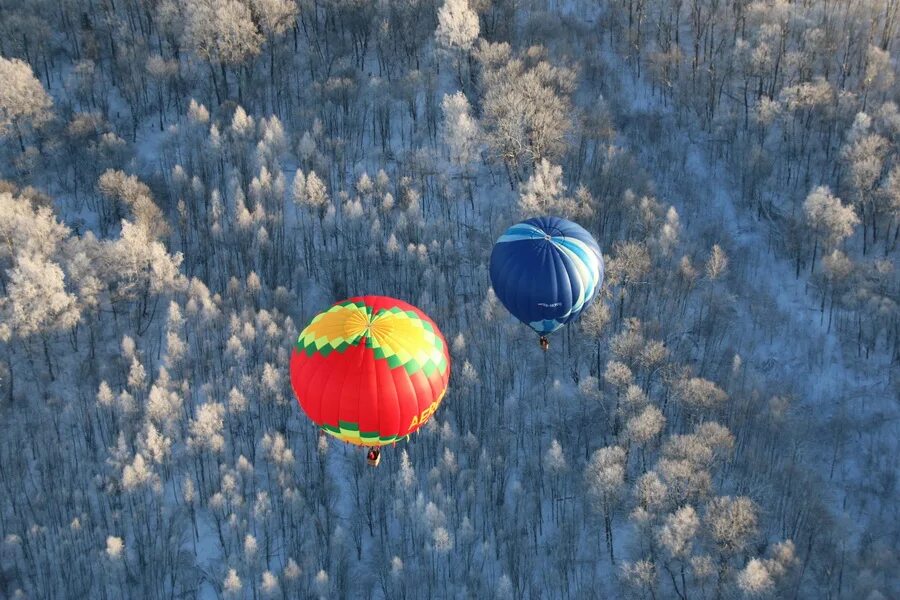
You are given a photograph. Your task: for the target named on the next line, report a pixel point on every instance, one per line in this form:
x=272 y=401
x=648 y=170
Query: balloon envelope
x=546 y=271
x=370 y=370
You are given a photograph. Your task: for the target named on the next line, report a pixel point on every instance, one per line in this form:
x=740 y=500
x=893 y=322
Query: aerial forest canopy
x=185 y=185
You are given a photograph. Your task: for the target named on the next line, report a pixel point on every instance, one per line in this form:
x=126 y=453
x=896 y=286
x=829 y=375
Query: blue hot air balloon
x=546 y=271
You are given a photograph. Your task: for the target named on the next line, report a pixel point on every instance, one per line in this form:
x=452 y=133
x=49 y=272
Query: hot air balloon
x=370 y=370
x=546 y=271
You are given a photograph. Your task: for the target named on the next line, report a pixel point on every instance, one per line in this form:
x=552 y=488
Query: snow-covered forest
x=185 y=183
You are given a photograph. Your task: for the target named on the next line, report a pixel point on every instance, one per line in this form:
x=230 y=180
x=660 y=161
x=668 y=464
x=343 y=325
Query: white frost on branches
x=457 y=25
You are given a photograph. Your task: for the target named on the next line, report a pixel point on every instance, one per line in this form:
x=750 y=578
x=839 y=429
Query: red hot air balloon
x=370 y=370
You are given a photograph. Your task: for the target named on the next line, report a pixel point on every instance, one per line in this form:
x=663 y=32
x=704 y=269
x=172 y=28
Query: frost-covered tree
x=678 y=531
x=543 y=192
x=630 y=263
x=762 y=575
x=457 y=25
x=206 y=428
x=670 y=231
x=461 y=131
x=142 y=264
x=315 y=194
x=136 y=195
x=274 y=16
x=526 y=106
x=37 y=302
x=554 y=459
x=865 y=153
x=829 y=218
x=676 y=536
x=641 y=576
x=269 y=584
x=604 y=477
x=23 y=100
x=221 y=32
x=717 y=263
x=700 y=394
x=755 y=579
x=646 y=425
x=232 y=584
x=139 y=475
x=27 y=230
x=732 y=522
x=114 y=547
x=650 y=492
